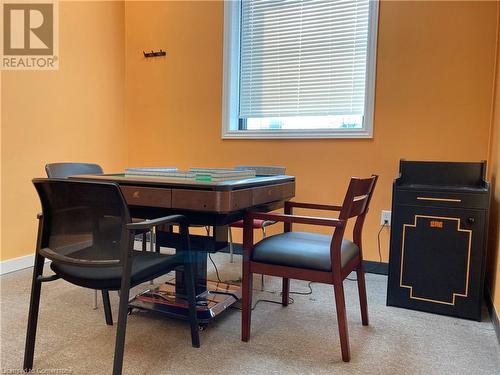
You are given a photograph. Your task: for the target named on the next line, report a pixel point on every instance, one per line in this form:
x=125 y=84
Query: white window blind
x=303 y=57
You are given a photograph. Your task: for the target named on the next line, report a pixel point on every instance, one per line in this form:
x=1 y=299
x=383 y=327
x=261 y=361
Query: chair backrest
x=84 y=223
x=356 y=203
x=263 y=170
x=358 y=196
x=63 y=170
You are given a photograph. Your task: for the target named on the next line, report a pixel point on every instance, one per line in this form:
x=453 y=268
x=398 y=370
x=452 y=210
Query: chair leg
x=191 y=296
x=246 y=302
x=285 y=292
x=144 y=242
x=342 y=321
x=152 y=240
x=360 y=272
x=95 y=299
x=107 y=307
x=157 y=244
x=153 y=247
x=231 y=249
x=36 y=287
x=122 y=325
x=262 y=276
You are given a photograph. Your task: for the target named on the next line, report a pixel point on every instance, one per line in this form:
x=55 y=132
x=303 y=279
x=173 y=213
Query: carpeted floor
x=299 y=339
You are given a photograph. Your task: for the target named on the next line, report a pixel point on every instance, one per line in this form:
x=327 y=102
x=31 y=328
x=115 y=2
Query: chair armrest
x=313 y=206
x=330 y=222
x=268 y=223
x=52 y=255
x=148 y=224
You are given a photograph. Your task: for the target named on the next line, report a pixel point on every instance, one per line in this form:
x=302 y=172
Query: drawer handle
x=438 y=199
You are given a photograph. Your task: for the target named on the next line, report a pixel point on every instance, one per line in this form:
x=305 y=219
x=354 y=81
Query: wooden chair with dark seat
x=87 y=232
x=309 y=256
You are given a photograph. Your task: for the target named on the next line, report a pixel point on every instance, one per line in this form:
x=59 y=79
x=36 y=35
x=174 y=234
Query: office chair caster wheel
x=202 y=326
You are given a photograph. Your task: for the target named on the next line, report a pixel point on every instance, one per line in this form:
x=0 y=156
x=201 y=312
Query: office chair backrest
x=263 y=170
x=63 y=170
x=83 y=222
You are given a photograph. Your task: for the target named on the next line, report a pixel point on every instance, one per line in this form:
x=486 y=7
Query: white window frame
x=230 y=95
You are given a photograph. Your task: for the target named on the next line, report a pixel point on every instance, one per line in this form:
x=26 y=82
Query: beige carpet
x=299 y=339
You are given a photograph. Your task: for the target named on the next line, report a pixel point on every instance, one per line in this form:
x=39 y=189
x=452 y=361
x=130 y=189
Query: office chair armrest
x=313 y=206
x=148 y=224
x=52 y=255
x=330 y=222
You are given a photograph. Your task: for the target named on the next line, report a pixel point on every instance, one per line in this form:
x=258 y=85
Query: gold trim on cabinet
x=439 y=199
x=465 y=293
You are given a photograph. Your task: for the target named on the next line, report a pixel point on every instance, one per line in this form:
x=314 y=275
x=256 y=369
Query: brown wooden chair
x=310 y=256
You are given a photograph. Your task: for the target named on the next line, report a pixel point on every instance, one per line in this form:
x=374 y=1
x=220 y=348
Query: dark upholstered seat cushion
x=145 y=266
x=301 y=250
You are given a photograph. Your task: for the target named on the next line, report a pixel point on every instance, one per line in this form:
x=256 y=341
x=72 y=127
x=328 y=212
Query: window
x=299 y=68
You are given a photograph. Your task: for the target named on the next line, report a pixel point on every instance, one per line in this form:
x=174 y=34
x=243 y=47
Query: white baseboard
x=16 y=264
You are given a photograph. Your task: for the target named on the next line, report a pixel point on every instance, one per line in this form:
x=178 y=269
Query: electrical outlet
x=385 y=218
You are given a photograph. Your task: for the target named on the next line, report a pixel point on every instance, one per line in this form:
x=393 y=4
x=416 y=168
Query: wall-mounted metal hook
x=155 y=53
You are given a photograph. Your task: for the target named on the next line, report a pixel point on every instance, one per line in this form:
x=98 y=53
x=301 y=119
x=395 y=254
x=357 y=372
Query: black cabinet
x=438 y=238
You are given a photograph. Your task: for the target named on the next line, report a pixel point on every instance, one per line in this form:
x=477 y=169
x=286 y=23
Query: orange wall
x=493 y=279
x=1 y=184
x=494 y=242
x=433 y=98
x=433 y=101
x=73 y=114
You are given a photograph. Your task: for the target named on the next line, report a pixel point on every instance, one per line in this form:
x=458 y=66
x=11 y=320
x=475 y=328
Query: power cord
x=216 y=269
x=290 y=299
x=379 y=252
x=379 y=247
x=304 y=293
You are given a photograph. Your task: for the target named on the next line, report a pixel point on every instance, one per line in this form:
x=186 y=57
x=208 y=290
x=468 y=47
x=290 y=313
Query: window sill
x=297 y=134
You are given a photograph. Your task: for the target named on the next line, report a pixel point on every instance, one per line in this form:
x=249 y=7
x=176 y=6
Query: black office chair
x=87 y=232
x=63 y=170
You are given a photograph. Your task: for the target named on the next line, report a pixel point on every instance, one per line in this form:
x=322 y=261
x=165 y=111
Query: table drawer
x=273 y=193
x=442 y=199
x=147 y=196
x=199 y=200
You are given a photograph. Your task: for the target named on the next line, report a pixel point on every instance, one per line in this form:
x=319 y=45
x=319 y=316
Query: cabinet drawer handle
x=438 y=199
